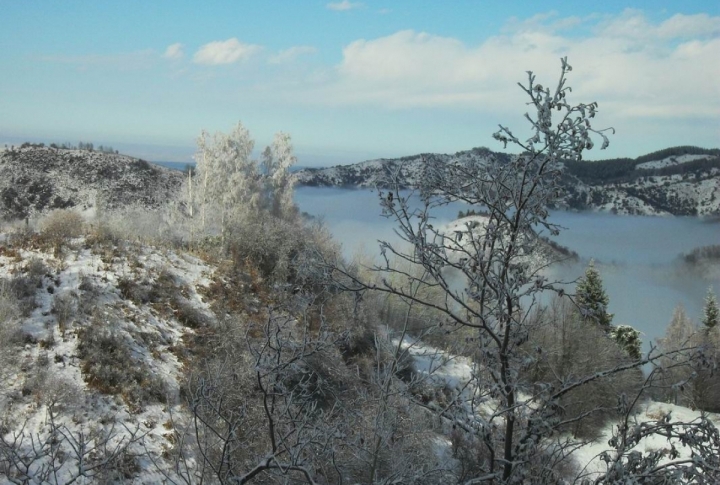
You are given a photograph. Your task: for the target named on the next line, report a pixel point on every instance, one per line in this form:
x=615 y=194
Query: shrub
x=36 y=268
x=64 y=309
x=24 y=289
x=189 y=315
x=61 y=225
x=10 y=333
x=109 y=367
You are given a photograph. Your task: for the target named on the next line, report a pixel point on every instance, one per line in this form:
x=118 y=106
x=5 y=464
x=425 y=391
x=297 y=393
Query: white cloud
x=634 y=67
x=291 y=54
x=225 y=52
x=174 y=51
x=344 y=5
x=632 y=24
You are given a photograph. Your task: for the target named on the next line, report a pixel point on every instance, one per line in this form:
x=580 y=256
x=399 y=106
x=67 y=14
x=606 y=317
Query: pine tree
x=628 y=339
x=592 y=299
x=711 y=314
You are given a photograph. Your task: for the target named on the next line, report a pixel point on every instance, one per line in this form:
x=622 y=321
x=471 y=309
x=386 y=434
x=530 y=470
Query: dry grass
x=109 y=367
x=59 y=226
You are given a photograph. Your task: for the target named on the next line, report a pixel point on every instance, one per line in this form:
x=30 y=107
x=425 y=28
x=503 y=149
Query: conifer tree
x=592 y=299
x=711 y=314
x=628 y=339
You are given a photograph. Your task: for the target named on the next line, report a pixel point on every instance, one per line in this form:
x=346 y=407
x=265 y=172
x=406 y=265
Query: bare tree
x=261 y=413
x=58 y=455
x=491 y=279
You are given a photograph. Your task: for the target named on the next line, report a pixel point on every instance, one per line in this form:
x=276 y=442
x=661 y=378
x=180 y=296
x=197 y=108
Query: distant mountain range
x=678 y=181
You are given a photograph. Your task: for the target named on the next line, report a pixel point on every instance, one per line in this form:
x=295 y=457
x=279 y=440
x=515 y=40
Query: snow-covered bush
x=61 y=225
x=10 y=333
x=64 y=308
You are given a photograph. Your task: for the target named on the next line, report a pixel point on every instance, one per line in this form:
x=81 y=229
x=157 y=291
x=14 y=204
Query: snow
x=670 y=161
x=80 y=409
x=457 y=373
x=589 y=454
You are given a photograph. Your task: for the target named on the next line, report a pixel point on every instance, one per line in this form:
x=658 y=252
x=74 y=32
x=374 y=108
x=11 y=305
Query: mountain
x=35 y=179
x=677 y=181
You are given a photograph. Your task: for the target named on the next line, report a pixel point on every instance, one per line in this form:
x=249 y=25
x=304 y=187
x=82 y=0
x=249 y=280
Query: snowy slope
x=80 y=295
x=459 y=374
x=34 y=180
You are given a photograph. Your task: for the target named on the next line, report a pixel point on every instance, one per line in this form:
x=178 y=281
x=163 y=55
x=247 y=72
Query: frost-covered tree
x=711 y=314
x=277 y=160
x=490 y=286
x=680 y=333
x=229 y=184
x=591 y=298
x=227 y=173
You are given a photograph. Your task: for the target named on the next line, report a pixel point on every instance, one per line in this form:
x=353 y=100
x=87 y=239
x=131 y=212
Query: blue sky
x=351 y=80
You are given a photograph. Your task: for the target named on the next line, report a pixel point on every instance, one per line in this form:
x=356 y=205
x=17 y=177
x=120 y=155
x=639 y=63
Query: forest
x=620 y=170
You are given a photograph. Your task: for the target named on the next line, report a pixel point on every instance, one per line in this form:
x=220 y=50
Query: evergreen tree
x=711 y=314
x=592 y=299
x=628 y=339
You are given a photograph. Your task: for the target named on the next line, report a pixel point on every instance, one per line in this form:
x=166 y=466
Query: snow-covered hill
x=100 y=338
x=670 y=185
x=36 y=179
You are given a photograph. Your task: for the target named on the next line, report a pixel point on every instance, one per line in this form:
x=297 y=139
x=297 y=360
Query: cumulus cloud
x=344 y=5
x=174 y=51
x=225 y=52
x=634 y=67
x=291 y=54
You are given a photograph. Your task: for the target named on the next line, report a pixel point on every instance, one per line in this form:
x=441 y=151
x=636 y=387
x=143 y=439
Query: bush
x=64 y=309
x=10 y=333
x=189 y=315
x=109 y=367
x=61 y=225
x=35 y=268
x=24 y=289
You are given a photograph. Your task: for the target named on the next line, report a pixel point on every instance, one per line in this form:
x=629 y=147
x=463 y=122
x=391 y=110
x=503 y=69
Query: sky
x=352 y=80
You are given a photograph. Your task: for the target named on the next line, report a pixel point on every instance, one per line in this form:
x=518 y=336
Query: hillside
x=677 y=181
x=165 y=346
x=36 y=179
x=117 y=358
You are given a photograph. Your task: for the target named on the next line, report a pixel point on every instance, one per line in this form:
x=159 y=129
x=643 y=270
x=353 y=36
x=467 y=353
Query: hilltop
x=676 y=181
x=35 y=179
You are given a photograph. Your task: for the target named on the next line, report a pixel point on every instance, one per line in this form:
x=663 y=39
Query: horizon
x=352 y=81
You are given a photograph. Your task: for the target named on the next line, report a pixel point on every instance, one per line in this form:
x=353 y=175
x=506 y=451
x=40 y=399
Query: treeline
x=472 y=212
x=676 y=152
x=625 y=169
x=69 y=146
x=703 y=254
